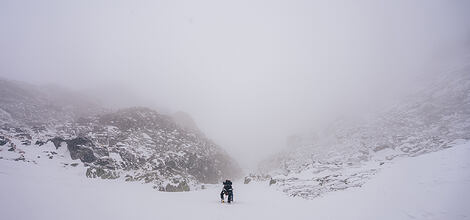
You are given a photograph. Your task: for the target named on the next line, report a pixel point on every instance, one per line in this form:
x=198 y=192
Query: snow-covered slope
x=134 y=144
x=348 y=153
x=429 y=186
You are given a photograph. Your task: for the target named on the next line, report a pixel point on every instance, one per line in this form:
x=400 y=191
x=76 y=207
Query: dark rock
x=106 y=163
x=11 y=149
x=21 y=158
x=129 y=159
x=38 y=129
x=81 y=148
x=40 y=143
x=57 y=141
x=129 y=178
x=23 y=136
x=181 y=187
x=3 y=140
x=247 y=180
x=257 y=177
x=171 y=164
x=272 y=181
x=95 y=172
x=100 y=152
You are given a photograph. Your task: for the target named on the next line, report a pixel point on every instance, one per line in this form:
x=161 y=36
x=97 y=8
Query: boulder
x=181 y=187
x=40 y=143
x=80 y=148
x=95 y=172
x=247 y=180
x=272 y=181
x=3 y=140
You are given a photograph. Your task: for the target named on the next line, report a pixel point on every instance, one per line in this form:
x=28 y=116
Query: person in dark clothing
x=227 y=190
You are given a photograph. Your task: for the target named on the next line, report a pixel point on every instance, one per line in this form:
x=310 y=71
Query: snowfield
x=430 y=186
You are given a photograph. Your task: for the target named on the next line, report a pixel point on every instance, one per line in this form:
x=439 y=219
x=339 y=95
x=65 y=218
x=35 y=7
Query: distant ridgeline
x=347 y=154
x=134 y=144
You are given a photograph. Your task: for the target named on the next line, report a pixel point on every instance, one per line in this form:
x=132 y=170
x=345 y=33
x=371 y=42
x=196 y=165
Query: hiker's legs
x=222 y=195
x=230 y=196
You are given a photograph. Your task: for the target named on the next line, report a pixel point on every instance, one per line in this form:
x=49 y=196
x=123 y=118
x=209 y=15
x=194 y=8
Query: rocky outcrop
x=151 y=147
x=81 y=148
x=3 y=140
x=181 y=187
x=98 y=172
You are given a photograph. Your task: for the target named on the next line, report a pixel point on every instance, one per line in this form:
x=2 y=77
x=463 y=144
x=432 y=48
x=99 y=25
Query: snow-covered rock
x=134 y=144
x=348 y=153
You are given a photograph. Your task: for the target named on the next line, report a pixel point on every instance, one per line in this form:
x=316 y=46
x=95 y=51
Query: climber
x=227 y=190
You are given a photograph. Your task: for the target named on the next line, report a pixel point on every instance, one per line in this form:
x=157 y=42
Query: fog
x=250 y=73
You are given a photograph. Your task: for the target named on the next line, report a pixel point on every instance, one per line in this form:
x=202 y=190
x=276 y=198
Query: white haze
x=250 y=73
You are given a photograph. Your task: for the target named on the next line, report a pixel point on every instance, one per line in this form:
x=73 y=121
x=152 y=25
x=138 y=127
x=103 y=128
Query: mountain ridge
x=133 y=144
x=347 y=155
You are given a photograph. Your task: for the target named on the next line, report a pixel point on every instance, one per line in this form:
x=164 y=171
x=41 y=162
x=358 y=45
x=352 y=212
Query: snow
x=430 y=186
x=146 y=136
x=116 y=157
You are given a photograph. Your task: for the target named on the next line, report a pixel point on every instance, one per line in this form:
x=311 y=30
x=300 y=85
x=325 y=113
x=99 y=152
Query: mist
x=250 y=73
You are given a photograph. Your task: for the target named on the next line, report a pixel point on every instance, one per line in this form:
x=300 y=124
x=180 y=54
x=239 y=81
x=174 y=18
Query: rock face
x=135 y=144
x=148 y=146
x=347 y=154
x=81 y=148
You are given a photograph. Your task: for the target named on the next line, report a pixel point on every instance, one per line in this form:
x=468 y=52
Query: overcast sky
x=250 y=73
